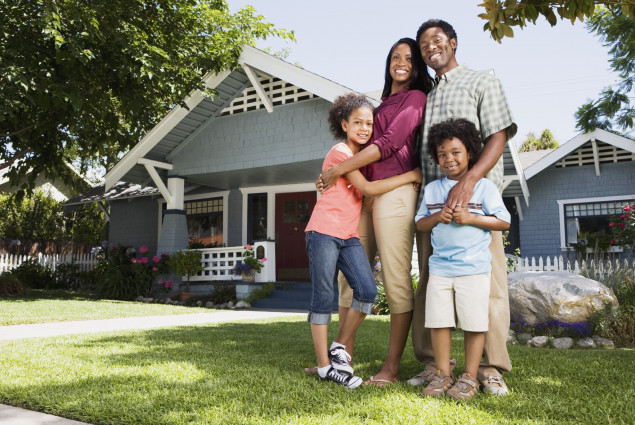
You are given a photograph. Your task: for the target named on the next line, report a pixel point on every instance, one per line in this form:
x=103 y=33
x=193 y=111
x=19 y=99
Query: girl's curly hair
x=461 y=129
x=342 y=108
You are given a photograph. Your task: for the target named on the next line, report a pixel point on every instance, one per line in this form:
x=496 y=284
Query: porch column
x=174 y=229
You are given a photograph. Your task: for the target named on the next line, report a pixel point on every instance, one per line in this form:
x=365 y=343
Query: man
x=460 y=92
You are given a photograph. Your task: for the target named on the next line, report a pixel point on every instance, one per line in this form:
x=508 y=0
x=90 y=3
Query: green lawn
x=252 y=373
x=39 y=306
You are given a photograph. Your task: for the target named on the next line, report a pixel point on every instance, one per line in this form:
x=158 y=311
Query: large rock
x=538 y=297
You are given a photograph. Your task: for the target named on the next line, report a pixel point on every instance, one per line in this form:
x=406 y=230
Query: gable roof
x=594 y=139
x=181 y=125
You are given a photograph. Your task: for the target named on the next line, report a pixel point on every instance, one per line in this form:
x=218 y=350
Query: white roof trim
x=160 y=130
x=573 y=144
x=519 y=169
x=253 y=78
x=252 y=58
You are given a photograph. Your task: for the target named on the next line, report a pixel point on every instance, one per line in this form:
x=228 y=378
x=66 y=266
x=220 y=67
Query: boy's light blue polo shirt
x=461 y=250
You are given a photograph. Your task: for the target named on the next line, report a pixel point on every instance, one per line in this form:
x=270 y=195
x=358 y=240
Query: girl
x=332 y=239
x=387 y=221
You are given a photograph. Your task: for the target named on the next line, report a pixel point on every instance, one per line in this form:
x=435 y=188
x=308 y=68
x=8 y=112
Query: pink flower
x=143 y=249
x=155 y=259
x=627 y=208
x=168 y=283
x=249 y=246
x=621 y=224
x=143 y=260
x=159 y=282
x=263 y=260
x=611 y=224
x=154 y=269
x=133 y=260
x=612 y=242
x=623 y=217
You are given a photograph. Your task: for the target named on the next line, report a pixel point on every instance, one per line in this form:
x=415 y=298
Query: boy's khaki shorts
x=469 y=293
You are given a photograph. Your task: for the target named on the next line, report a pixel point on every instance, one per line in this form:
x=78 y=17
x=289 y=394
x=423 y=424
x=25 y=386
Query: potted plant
x=186 y=263
x=249 y=265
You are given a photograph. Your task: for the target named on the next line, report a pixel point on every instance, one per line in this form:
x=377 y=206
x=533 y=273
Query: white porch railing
x=218 y=263
x=86 y=262
x=556 y=264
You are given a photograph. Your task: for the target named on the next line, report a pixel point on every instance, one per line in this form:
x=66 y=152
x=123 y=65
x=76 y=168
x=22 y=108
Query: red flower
x=623 y=217
x=621 y=224
x=612 y=242
x=627 y=208
x=611 y=224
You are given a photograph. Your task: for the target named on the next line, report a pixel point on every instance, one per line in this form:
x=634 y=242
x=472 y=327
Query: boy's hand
x=445 y=215
x=461 y=215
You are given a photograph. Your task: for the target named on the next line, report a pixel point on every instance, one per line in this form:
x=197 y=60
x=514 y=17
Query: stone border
x=541 y=341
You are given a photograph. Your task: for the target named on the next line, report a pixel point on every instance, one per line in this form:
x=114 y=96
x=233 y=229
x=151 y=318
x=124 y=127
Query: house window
x=589 y=221
x=205 y=222
x=257 y=217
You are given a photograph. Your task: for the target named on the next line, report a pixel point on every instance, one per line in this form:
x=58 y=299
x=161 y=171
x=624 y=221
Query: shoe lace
x=495 y=380
x=341 y=354
x=334 y=375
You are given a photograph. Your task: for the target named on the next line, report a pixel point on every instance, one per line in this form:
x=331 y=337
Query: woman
x=387 y=221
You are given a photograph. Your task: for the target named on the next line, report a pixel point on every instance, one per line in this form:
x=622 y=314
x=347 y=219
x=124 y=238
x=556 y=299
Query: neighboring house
x=574 y=189
x=51 y=187
x=235 y=168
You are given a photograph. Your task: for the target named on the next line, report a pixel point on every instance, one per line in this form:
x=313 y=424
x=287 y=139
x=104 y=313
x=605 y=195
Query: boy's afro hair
x=461 y=129
x=342 y=108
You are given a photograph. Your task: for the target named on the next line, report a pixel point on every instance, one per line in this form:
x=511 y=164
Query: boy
x=460 y=264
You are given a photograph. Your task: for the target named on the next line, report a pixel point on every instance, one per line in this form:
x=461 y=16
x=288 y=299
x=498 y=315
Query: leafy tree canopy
x=546 y=141
x=88 y=79
x=502 y=15
x=614 y=110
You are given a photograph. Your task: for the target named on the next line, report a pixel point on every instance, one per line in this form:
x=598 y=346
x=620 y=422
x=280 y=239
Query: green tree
x=502 y=15
x=546 y=141
x=87 y=80
x=614 y=109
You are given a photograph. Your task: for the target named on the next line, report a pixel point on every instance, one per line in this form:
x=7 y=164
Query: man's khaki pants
x=495 y=356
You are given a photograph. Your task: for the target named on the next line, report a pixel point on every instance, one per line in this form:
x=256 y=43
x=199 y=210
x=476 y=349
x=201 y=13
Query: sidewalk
x=10 y=415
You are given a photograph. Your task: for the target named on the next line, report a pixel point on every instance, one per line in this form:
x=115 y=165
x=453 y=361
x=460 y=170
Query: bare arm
x=461 y=215
x=364 y=157
x=378 y=187
x=462 y=192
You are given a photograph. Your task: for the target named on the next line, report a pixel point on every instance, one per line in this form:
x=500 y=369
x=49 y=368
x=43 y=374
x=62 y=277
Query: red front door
x=293 y=211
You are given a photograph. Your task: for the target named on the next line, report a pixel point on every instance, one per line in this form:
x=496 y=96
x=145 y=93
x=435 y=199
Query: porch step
x=291 y=296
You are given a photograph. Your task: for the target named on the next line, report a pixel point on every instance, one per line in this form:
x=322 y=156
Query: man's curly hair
x=461 y=129
x=342 y=108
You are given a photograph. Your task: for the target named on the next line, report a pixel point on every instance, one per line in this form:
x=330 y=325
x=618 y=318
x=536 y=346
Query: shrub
x=124 y=274
x=33 y=275
x=186 y=263
x=223 y=293
x=10 y=285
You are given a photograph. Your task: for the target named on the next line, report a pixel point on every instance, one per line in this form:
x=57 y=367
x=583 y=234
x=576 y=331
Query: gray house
x=237 y=168
x=574 y=190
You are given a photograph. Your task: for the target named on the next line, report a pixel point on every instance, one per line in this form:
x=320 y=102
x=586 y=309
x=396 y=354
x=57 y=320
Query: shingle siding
x=540 y=228
x=134 y=223
x=291 y=133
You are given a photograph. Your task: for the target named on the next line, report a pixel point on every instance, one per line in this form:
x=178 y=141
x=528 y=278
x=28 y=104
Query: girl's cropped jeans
x=327 y=255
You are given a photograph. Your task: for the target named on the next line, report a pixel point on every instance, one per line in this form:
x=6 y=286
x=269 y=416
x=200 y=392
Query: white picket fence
x=86 y=262
x=560 y=264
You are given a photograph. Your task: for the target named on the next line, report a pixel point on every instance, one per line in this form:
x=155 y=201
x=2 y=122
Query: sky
x=547 y=72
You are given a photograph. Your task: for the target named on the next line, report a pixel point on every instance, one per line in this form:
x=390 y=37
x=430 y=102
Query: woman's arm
x=378 y=187
x=486 y=222
x=361 y=159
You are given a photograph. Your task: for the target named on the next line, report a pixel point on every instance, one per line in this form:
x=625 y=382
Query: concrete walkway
x=10 y=415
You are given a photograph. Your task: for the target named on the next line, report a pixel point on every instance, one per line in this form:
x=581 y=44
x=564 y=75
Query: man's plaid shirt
x=476 y=96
